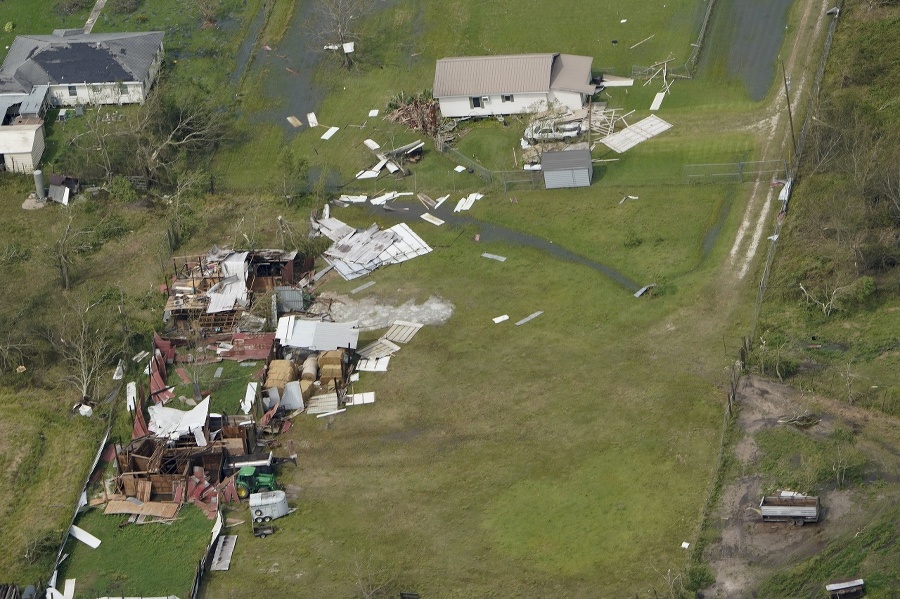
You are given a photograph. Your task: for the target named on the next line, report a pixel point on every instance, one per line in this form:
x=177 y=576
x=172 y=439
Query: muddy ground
x=373 y=313
x=749 y=550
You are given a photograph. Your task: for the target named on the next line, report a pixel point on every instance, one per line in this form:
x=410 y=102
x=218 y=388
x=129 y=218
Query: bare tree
x=371 y=580
x=339 y=23
x=826 y=299
x=180 y=209
x=71 y=242
x=85 y=350
x=165 y=130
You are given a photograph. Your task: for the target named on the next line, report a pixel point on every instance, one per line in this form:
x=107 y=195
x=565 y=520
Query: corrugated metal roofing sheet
x=322 y=404
x=566 y=160
x=486 y=75
x=317 y=335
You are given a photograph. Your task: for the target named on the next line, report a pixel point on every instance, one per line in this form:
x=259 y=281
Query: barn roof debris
x=316 y=335
x=358 y=252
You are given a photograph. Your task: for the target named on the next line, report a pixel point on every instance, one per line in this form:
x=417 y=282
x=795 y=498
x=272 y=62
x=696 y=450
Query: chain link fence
x=736 y=172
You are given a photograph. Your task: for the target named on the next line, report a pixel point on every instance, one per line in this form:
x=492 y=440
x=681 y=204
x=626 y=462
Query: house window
x=73 y=91
x=507 y=98
x=476 y=102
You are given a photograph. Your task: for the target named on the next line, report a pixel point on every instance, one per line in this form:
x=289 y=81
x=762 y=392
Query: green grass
x=43 y=458
x=226 y=392
x=508 y=460
x=34 y=17
x=869 y=554
x=131 y=559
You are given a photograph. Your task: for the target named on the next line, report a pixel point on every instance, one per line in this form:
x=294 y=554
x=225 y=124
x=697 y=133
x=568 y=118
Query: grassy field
x=569 y=456
x=131 y=558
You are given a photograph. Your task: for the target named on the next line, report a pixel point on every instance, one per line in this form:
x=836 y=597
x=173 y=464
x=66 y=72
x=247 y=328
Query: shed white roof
x=18 y=139
x=566 y=160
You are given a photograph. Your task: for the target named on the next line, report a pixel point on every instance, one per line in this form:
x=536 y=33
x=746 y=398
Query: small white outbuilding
x=22 y=146
x=572 y=168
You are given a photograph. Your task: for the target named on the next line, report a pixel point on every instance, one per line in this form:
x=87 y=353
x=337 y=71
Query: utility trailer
x=796 y=509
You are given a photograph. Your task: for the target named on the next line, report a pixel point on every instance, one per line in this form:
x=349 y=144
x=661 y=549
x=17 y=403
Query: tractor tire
x=243 y=492
x=258 y=513
x=267 y=519
x=263 y=490
x=258 y=520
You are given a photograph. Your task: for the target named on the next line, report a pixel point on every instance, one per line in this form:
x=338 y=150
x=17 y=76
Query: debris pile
x=419 y=112
x=358 y=252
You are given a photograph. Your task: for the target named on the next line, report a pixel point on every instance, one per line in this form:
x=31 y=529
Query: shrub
x=70 y=7
x=124 y=7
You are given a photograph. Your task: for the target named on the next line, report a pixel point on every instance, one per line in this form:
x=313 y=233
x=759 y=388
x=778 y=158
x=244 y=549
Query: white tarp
x=172 y=423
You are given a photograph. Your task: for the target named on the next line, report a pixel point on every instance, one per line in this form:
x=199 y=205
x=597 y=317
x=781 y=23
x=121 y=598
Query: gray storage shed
x=571 y=168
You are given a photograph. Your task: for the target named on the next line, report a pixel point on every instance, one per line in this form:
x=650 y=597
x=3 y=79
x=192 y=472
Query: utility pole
x=787 y=96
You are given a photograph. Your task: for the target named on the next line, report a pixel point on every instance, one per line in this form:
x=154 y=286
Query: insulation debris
x=330 y=133
x=494 y=257
x=500 y=319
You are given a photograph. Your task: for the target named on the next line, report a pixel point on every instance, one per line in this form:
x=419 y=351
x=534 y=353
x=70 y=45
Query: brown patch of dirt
x=749 y=549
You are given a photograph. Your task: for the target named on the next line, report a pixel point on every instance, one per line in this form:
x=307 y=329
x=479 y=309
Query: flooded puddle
x=489 y=232
x=751 y=33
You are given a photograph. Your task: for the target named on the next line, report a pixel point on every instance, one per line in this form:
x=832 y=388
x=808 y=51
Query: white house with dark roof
x=68 y=68
x=512 y=84
x=81 y=68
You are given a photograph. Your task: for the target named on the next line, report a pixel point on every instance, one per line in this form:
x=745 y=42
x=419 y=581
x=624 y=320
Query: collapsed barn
x=213 y=293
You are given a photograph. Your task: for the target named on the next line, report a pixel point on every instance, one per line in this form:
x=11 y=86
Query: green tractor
x=251 y=479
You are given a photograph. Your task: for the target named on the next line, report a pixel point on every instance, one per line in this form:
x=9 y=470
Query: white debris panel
x=402 y=331
x=172 y=423
x=631 y=136
x=231 y=290
x=467 y=202
x=361 y=251
x=316 y=335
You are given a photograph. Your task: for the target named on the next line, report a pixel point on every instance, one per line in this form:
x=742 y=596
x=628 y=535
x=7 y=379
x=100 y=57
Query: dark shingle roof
x=78 y=58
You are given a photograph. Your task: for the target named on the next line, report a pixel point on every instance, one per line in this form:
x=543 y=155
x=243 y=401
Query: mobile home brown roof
x=484 y=75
